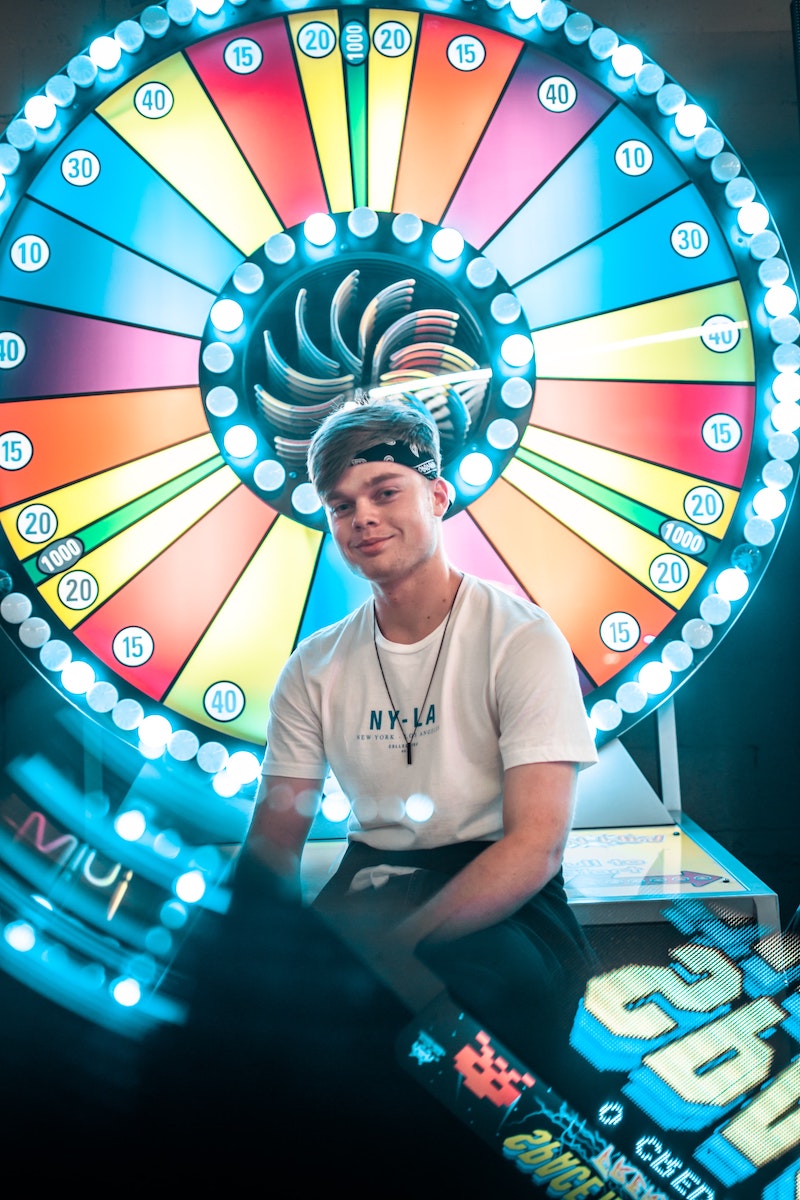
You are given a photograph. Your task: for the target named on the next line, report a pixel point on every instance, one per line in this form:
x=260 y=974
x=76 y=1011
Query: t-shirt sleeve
x=294 y=734
x=541 y=710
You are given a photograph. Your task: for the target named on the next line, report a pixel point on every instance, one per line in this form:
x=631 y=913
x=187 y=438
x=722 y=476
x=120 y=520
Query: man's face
x=385 y=519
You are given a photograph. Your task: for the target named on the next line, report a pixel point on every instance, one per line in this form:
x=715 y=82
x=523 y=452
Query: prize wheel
x=225 y=218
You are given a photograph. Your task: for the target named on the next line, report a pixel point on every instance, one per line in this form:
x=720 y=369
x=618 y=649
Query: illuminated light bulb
x=222 y=401
x=183 y=745
x=240 y=441
x=606 y=715
x=758 y=531
x=9 y=159
x=55 y=655
x=209 y=8
x=34 y=632
x=753 y=217
x=677 y=656
x=419 y=808
x=690 y=120
x=15 y=608
x=769 y=503
x=280 y=249
x=552 y=15
x=525 y=10
x=740 y=191
x=226 y=784
x=732 y=583
x=82 y=71
x=269 y=475
x=127 y=714
x=670 y=98
x=105 y=52
x=102 y=697
x=61 y=90
x=130 y=825
x=335 y=806
x=407 y=227
x=764 y=245
x=650 y=79
x=715 y=609
x=777 y=473
x=578 y=28
x=475 y=469
x=130 y=36
x=783 y=445
x=173 y=915
x=126 y=991
x=248 y=278
x=227 y=315
x=697 y=634
x=447 y=244
x=780 y=301
x=481 y=272
x=158 y=941
x=155 y=21
x=319 y=229
x=708 y=143
x=786 y=387
x=784 y=329
x=181 y=11
x=167 y=844
x=655 y=677
x=725 y=166
x=502 y=434
x=773 y=271
x=21 y=134
x=362 y=222
x=211 y=757
x=20 y=935
x=505 y=308
x=244 y=765
x=217 y=357
x=190 y=887
x=155 y=730
x=626 y=60
x=516 y=393
x=602 y=43
x=40 y=111
x=77 y=677
x=631 y=697
x=517 y=350
x=305 y=499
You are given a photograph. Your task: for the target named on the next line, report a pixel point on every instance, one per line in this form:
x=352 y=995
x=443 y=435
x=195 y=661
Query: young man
x=450 y=713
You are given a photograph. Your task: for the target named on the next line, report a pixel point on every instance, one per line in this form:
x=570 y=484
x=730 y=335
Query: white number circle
x=224 y=701
x=80 y=167
x=243 y=56
x=77 y=590
x=153 y=100
x=703 y=505
x=633 y=157
x=132 y=646
x=16 y=450
x=466 y=53
x=37 y=523
x=316 y=39
x=557 y=93
x=689 y=239
x=391 y=39
x=12 y=350
x=619 y=631
x=722 y=432
x=30 y=252
x=669 y=573
x=720 y=334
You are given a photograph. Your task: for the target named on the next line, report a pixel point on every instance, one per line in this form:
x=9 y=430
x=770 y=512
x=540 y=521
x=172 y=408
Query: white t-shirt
x=505 y=692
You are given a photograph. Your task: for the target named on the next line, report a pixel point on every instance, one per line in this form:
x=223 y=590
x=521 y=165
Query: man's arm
x=538 y=802
x=283 y=816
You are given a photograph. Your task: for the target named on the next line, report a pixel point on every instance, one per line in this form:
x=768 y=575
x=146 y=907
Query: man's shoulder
x=329 y=636
x=493 y=596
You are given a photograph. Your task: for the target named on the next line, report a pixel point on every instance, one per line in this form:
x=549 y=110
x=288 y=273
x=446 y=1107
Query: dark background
x=737 y=717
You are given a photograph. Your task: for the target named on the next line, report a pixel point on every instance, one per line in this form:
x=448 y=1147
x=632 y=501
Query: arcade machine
x=215 y=223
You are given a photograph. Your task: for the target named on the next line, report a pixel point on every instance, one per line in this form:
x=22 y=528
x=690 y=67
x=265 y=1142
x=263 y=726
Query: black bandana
x=401 y=453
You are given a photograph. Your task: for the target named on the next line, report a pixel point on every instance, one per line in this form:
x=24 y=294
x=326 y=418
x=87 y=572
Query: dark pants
x=522 y=977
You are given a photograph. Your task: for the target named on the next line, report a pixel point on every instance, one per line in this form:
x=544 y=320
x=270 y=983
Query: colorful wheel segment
x=215 y=226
